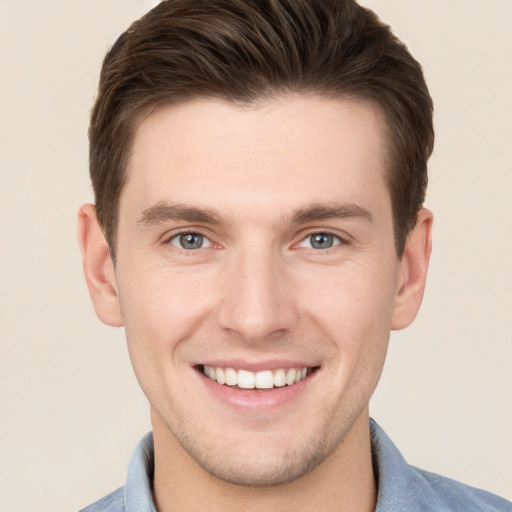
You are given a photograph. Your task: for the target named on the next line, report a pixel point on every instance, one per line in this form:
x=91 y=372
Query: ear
x=414 y=265
x=98 y=267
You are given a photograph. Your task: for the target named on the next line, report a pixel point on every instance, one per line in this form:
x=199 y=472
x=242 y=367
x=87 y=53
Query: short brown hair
x=245 y=50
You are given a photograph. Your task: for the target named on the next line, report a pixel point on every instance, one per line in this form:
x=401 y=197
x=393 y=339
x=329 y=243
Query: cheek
x=353 y=310
x=161 y=309
x=353 y=299
x=161 y=312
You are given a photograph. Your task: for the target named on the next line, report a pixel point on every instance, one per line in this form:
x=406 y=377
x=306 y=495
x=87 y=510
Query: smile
x=266 y=379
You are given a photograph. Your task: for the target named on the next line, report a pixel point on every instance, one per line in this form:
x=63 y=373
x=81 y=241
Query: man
x=259 y=169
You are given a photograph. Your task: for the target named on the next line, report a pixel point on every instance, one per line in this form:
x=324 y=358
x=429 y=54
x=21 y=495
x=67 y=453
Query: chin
x=268 y=471
x=260 y=462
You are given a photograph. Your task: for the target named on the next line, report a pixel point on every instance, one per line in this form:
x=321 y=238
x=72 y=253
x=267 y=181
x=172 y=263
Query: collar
x=138 y=494
x=399 y=489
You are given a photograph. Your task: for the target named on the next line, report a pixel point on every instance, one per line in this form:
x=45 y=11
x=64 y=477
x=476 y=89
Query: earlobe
x=98 y=267
x=414 y=266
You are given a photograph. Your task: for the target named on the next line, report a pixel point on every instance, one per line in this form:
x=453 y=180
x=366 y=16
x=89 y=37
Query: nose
x=256 y=297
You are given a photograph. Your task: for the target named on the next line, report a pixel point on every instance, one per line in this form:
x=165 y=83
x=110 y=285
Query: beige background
x=70 y=409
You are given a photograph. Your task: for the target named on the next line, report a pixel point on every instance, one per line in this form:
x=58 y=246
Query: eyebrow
x=319 y=211
x=164 y=212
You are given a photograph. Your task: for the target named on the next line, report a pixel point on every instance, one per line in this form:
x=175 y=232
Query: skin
x=257 y=294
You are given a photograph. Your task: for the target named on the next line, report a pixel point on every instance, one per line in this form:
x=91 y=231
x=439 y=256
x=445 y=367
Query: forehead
x=292 y=149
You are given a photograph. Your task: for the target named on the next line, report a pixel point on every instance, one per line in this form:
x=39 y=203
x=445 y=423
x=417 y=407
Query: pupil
x=322 y=241
x=191 y=241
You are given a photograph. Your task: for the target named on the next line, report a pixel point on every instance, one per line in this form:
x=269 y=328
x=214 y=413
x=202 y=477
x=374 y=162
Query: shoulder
x=445 y=494
x=113 y=502
x=405 y=488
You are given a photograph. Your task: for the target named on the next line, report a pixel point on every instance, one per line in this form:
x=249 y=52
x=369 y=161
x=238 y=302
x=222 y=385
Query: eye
x=320 y=241
x=190 y=241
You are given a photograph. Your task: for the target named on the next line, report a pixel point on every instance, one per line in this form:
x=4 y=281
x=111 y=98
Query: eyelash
x=176 y=236
x=338 y=240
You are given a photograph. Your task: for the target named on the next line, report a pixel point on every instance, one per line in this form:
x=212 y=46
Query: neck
x=344 y=481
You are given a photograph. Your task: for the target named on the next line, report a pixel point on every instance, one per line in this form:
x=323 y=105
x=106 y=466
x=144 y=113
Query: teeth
x=245 y=379
x=290 y=376
x=221 y=376
x=279 y=378
x=265 y=379
x=231 y=377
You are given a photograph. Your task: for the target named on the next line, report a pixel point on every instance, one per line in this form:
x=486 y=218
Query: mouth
x=265 y=380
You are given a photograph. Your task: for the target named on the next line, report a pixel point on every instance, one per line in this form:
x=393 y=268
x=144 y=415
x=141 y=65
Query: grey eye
x=190 y=241
x=320 y=241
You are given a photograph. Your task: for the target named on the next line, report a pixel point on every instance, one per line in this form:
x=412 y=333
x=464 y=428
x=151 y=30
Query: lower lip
x=255 y=399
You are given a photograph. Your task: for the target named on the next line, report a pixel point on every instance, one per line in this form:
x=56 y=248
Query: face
x=257 y=278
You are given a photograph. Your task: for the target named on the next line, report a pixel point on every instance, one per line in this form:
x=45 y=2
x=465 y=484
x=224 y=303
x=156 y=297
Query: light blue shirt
x=402 y=488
